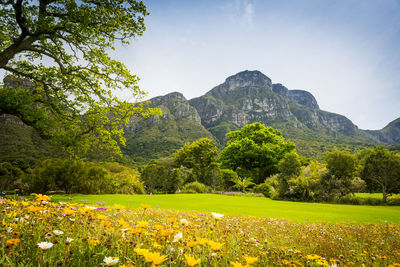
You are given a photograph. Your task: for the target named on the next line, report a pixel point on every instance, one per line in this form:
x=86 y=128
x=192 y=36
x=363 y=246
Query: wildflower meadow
x=44 y=233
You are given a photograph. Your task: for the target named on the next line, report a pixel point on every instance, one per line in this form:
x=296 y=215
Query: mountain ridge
x=243 y=98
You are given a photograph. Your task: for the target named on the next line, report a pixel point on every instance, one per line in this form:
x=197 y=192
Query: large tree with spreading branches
x=61 y=79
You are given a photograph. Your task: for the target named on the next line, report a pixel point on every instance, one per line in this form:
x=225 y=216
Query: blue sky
x=345 y=52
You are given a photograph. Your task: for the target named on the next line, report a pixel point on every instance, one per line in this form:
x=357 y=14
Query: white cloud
x=241 y=12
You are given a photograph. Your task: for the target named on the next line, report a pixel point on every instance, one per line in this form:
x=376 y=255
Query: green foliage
x=341 y=167
x=158 y=177
x=195 y=187
x=201 y=157
x=10 y=176
x=161 y=139
x=289 y=167
x=77 y=176
x=263 y=188
x=228 y=176
x=255 y=150
x=290 y=164
x=63 y=78
x=242 y=183
x=382 y=171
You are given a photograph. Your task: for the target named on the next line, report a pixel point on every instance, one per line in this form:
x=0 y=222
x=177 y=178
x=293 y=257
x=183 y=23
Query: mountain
x=157 y=137
x=390 y=134
x=250 y=96
x=243 y=98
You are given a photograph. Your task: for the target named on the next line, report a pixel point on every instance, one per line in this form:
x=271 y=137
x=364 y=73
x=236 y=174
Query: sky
x=345 y=52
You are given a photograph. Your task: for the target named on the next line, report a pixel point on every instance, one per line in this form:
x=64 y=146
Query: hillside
x=157 y=137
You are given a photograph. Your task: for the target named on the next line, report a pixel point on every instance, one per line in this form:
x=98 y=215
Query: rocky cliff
x=250 y=96
x=390 y=134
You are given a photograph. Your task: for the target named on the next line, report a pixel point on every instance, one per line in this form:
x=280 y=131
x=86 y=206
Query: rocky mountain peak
x=304 y=98
x=248 y=78
x=241 y=82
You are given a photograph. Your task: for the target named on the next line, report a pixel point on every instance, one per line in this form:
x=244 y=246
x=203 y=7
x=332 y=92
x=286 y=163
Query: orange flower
x=166 y=232
x=191 y=244
x=105 y=223
x=13 y=241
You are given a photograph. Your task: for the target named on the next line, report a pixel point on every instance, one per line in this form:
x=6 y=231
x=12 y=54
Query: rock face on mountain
x=249 y=96
x=390 y=134
x=242 y=99
x=160 y=136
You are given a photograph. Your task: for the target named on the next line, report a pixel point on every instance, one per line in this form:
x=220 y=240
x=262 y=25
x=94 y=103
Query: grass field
x=375 y=195
x=253 y=206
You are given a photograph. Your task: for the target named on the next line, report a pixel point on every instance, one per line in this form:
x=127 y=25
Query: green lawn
x=253 y=206
x=375 y=195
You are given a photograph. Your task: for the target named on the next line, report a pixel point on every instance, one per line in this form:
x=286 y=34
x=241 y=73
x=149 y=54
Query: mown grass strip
x=253 y=206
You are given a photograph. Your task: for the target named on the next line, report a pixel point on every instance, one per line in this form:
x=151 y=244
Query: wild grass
x=89 y=235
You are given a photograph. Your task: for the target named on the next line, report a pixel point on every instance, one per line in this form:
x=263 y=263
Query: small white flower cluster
x=45 y=245
x=110 y=261
x=217 y=215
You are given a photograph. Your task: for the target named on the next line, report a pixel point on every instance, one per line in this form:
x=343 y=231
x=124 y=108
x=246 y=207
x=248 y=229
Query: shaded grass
x=261 y=207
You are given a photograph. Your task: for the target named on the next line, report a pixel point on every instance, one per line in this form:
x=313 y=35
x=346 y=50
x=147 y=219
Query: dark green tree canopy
x=200 y=155
x=61 y=48
x=255 y=151
x=381 y=171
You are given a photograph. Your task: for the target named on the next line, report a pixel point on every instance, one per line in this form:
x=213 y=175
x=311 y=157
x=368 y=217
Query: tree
x=382 y=171
x=63 y=78
x=254 y=151
x=154 y=176
x=289 y=167
x=341 y=167
x=200 y=155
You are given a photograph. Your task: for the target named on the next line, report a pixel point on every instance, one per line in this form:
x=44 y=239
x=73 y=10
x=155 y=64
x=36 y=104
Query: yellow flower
x=145 y=206
x=40 y=198
x=158 y=227
x=156 y=245
x=34 y=209
x=172 y=219
x=143 y=223
x=251 y=260
x=123 y=223
x=313 y=257
x=141 y=251
x=136 y=231
x=202 y=241
x=93 y=242
x=215 y=245
x=191 y=261
x=118 y=207
x=158 y=259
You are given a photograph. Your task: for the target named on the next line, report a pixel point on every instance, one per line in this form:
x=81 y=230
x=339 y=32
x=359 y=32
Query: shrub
x=263 y=188
x=10 y=176
x=195 y=187
x=76 y=176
